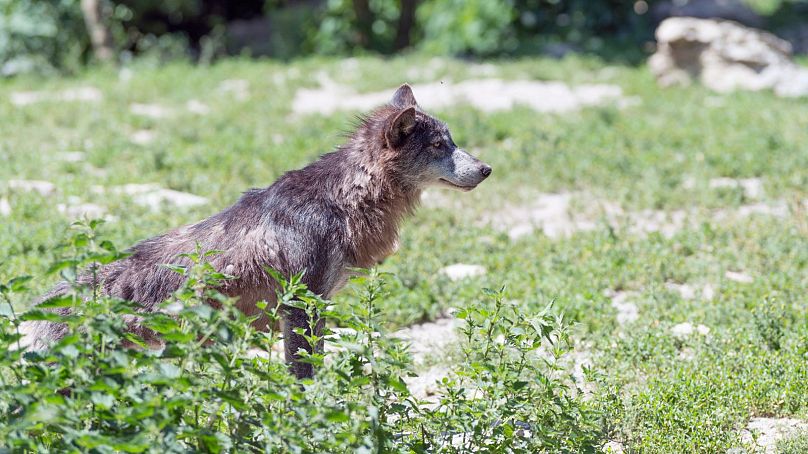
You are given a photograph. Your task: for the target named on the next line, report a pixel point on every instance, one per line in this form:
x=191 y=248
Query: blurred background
x=61 y=36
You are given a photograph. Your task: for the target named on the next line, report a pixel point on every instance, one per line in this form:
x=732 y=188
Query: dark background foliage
x=51 y=35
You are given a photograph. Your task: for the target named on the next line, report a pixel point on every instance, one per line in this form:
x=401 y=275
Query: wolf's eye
x=437 y=144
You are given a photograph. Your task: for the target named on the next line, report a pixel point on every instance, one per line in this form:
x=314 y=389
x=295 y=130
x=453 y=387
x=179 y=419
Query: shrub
x=218 y=386
x=41 y=35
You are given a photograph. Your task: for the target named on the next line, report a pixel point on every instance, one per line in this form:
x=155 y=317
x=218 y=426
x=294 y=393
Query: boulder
x=735 y=10
x=725 y=56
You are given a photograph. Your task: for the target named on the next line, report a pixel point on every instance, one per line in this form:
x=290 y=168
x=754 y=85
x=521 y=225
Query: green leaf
x=57 y=302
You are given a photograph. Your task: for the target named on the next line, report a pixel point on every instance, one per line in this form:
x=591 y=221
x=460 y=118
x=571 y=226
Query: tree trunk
x=364 y=21
x=100 y=36
x=406 y=20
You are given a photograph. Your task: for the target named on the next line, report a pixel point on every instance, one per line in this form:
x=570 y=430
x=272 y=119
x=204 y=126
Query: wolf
x=337 y=214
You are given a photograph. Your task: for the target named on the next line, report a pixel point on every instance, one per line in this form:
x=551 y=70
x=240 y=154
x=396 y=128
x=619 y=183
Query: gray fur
x=342 y=211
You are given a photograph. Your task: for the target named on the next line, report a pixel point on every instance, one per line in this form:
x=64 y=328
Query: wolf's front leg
x=297 y=318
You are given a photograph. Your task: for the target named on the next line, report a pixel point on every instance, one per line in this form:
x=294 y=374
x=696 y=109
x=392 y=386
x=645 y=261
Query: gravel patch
x=142 y=137
x=613 y=447
x=77 y=94
x=752 y=187
x=687 y=329
x=627 y=311
x=5 y=207
x=556 y=216
x=737 y=276
x=154 y=111
x=487 y=95
x=239 y=89
x=70 y=156
x=197 y=107
x=155 y=197
x=429 y=338
x=763 y=434
x=75 y=208
x=44 y=188
x=460 y=271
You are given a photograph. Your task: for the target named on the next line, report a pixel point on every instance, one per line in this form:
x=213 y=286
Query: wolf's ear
x=403 y=97
x=403 y=124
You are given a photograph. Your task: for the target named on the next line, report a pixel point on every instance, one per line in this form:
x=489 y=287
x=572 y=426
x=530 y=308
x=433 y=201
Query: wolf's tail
x=38 y=334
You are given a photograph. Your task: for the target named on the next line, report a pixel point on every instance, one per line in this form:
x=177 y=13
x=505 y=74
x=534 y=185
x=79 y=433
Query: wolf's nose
x=485 y=170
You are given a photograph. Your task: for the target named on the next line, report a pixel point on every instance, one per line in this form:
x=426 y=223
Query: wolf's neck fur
x=374 y=194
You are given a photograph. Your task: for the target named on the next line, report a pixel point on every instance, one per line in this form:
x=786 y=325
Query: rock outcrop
x=725 y=56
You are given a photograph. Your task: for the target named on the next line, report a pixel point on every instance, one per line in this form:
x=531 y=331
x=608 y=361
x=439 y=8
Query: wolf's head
x=424 y=150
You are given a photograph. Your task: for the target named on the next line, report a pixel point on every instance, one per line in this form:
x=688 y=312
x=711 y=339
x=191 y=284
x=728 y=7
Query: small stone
x=613 y=447
x=70 y=156
x=778 y=209
x=154 y=197
x=627 y=312
x=179 y=199
x=83 y=94
x=739 y=277
x=708 y=292
x=429 y=338
x=239 y=88
x=460 y=271
x=5 y=207
x=682 y=330
x=426 y=385
x=752 y=187
x=764 y=433
x=77 y=209
x=154 y=111
x=685 y=329
x=142 y=137
x=45 y=188
x=197 y=107
x=687 y=292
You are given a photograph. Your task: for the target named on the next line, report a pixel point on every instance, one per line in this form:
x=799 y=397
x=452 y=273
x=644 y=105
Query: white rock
x=70 y=156
x=86 y=94
x=77 y=209
x=627 y=311
x=613 y=447
x=708 y=292
x=5 y=207
x=483 y=94
x=125 y=74
x=687 y=292
x=764 y=433
x=429 y=338
x=81 y=94
x=45 y=188
x=549 y=213
x=752 y=187
x=685 y=329
x=460 y=271
x=197 y=107
x=142 y=137
x=154 y=111
x=725 y=56
x=178 y=199
x=739 y=277
x=153 y=196
x=777 y=209
x=239 y=88
x=426 y=385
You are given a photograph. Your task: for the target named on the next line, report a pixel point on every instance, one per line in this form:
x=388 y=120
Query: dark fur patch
x=342 y=211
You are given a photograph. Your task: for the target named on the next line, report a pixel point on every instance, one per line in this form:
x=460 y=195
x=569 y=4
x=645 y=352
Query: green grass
x=752 y=363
